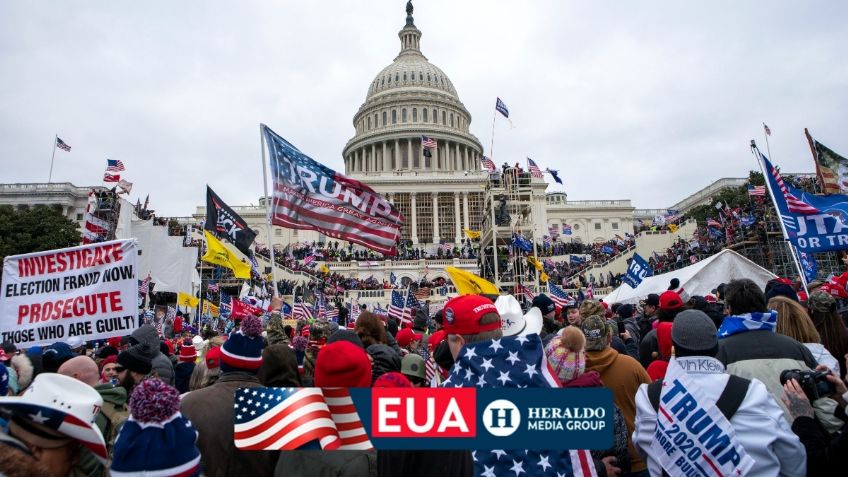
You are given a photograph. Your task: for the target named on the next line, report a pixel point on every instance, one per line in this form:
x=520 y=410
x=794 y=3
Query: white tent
x=698 y=279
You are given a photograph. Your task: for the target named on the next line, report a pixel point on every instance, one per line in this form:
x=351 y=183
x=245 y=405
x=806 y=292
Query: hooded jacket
x=385 y=359
x=148 y=340
x=622 y=375
x=759 y=424
x=279 y=367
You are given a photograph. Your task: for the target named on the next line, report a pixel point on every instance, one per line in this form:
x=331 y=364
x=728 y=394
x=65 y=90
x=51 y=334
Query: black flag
x=222 y=221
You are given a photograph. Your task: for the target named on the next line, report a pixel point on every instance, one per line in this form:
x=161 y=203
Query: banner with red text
x=89 y=292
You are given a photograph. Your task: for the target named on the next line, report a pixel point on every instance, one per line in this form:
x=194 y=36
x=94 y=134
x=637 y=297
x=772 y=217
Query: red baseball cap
x=406 y=336
x=670 y=300
x=463 y=313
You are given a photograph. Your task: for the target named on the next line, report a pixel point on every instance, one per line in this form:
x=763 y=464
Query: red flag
x=241 y=309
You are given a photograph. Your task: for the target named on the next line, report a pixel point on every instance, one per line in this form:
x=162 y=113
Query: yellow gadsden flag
x=467 y=283
x=324 y=269
x=184 y=299
x=535 y=263
x=673 y=228
x=219 y=254
x=472 y=234
x=210 y=309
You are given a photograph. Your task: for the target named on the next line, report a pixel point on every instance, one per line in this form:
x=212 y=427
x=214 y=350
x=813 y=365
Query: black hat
x=653 y=300
x=543 y=303
x=626 y=311
x=135 y=360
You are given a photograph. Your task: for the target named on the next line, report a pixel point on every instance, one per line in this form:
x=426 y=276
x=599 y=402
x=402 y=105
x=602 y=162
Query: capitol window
x=420 y=76
x=384 y=118
x=615 y=225
x=394 y=116
x=369 y=123
x=414 y=115
x=451 y=116
x=403 y=115
x=404 y=76
x=444 y=119
x=576 y=226
x=597 y=226
x=424 y=112
x=397 y=77
x=435 y=116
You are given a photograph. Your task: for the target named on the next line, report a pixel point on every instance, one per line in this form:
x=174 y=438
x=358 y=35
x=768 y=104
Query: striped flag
x=430 y=373
x=111 y=177
x=328 y=202
x=488 y=164
x=332 y=314
x=714 y=223
x=398 y=308
x=523 y=290
x=756 y=190
x=423 y=293
x=144 y=286
x=590 y=291
x=113 y=165
x=793 y=203
x=61 y=145
x=559 y=296
x=355 y=309
x=428 y=143
x=294 y=418
x=95 y=229
x=766 y=129
x=301 y=310
x=546 y=241
x=534 y=169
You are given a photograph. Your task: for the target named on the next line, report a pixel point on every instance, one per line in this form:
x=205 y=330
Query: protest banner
x=90 y=291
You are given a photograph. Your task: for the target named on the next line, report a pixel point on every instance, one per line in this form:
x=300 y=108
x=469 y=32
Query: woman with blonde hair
x=794 y=321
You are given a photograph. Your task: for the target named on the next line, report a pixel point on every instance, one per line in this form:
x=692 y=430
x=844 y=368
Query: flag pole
x=766 y=134
x=492 y=146
x=792 y=250
x=268 y=211
x=53 y=156
x=200 y=289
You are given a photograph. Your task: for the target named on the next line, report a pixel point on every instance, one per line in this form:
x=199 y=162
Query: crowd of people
x=162 y=403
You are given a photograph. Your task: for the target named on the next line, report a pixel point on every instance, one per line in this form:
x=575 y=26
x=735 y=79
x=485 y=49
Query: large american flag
x=61 y=145
x=113 y=165
x=793 y=203
x=398 y=307
x=488 y=164
x=523 y=290
x=297 y=418
x=311 y=196
x=301 y=310
x=428 y=142
x=423 y=293
x=534 y=169
x=515 y=362
x=559 y=296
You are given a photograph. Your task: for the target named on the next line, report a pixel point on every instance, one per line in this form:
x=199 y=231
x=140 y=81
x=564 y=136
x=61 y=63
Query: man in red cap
x=469 y=319
x=670 y=304
x=408 y=340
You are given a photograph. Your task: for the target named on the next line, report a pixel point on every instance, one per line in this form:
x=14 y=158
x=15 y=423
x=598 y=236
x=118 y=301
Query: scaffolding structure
x=508 y=212
x=106 y=207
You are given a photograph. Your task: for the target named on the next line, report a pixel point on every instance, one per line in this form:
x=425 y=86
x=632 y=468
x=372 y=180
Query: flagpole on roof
x=491 y=147
x=268 y=210
x=53 y=156
x=792 y=251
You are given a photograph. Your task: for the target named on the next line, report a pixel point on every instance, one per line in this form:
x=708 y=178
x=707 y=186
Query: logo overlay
x=423 y=418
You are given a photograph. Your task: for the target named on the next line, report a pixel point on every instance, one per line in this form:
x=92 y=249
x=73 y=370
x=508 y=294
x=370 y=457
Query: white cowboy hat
x=513 y=321
x=65 y=405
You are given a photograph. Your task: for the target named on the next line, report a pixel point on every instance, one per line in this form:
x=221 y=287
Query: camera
x=814 y=383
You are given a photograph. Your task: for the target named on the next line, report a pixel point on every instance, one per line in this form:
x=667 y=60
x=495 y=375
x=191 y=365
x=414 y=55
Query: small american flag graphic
x=295 y=418
x=61 y=145
x=534 y=169
x=488 y=164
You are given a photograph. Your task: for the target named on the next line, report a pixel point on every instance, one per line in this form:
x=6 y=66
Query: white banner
x=89 y=292
x=693 y=438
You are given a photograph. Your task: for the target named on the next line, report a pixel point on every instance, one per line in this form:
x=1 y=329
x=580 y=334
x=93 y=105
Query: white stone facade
x=64 y=196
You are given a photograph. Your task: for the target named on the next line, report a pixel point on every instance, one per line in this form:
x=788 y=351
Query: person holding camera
x=825 y=452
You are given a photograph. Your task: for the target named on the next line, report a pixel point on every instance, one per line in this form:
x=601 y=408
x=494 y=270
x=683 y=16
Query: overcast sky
x=649 y=101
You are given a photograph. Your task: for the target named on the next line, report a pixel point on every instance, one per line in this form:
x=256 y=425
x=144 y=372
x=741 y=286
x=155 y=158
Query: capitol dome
x=409 y=100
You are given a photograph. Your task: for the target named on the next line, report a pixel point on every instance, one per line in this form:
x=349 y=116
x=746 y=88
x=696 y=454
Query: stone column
x=435 y=159
x=397 y=154
x=386 y=164
x=465 y=158
x=409 y=153
x=456 y=217
x=355 y=160
x=436 y=236
x=374 y=157
x=414 y=224
x=465 y=210
x=458 y=158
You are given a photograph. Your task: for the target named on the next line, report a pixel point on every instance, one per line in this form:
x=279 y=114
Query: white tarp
x=698 y=279
x=170 y=265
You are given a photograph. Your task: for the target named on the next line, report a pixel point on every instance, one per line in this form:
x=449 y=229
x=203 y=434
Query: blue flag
x=606 y=249
x=809 y=265
x=637 y=271
x=555 y=175
x=576 y=259
x=501 y=107
x=519 y=241
x=813 y=223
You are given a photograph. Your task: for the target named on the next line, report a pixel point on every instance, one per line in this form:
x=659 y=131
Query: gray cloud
x=648 y=101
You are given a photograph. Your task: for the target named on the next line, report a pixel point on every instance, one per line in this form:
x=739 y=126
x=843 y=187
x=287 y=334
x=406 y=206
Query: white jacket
x=759 y=424
x=824 y=357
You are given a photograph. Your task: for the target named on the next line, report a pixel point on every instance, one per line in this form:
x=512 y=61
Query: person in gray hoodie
x=146 y=335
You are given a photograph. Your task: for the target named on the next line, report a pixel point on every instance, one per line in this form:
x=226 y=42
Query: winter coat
x=16 y=460
x=763 y=354
x=622 y=375
x=111 y=417
x=823 y=356
x=824 y=452
x=759 y=424
x=385 y=361
x=146 y=335
x=279 y=367
x=182 y=376
x=210 y=410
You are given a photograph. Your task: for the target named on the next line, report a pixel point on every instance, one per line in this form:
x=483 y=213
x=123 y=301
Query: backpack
x=110 y=420
x=728 y=402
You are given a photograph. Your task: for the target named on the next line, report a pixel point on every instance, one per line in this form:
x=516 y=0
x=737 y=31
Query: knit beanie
x=694 y=334
x=567 y=355
x=213 y=357
x=156 y=439
x=342 y=364
x=135 y=359
x=187 y=352
x=243 y=349
x=392 y=380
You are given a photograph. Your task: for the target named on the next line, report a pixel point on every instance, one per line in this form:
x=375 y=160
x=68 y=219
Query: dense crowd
x=161 y=399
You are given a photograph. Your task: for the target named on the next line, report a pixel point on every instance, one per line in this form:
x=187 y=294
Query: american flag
x=355 y=310
x=332 y=314
x=412 y=302
x=488 y=164
x=793 y=203
x=61 y=145
x=398 y=308
x=713 y=223
x=559 y=296
x=430 y=372
x=534 y=169
x=322 y=310
x=511 y=363
x=213 y=287
x=523 y=290
x=428 y=142
x=566 y=229
x=756 y=190
x=111 y=177
x=767 y=129
x=590 y=291
x=296 y=418
x=546 y=241
x=144 y=286
x=423 y=293
x=373 y=223
x=445 y=246
x=113 y=165
x=226 y=304
x=301 y=310
x=500 y=106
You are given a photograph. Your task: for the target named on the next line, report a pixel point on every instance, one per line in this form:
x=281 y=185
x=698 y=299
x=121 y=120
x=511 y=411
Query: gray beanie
x=693 y=333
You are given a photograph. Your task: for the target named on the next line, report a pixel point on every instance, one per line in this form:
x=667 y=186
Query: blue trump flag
x=501 y=107
x=519 y=241
x=809 y=265
x=637 y=271
x=812 y=223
